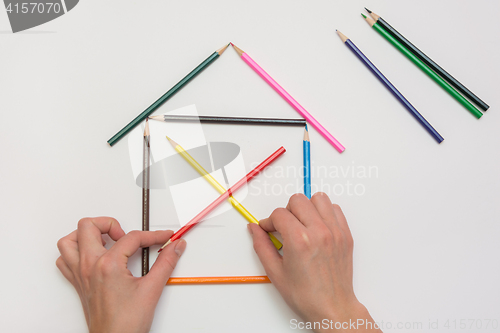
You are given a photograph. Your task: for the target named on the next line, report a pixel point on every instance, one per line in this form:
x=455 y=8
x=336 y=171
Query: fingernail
x=180 y=247
x=249 y=229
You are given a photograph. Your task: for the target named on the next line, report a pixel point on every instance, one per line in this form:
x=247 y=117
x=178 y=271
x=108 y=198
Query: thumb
x=268 y=255
x=165 y=263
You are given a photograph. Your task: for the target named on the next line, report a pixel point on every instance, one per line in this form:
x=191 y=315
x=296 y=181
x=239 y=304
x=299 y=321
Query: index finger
x=136 y=239
x=282 y=221
x=90 y=230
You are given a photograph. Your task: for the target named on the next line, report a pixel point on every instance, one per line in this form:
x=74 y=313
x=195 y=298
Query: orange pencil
x=219 y=280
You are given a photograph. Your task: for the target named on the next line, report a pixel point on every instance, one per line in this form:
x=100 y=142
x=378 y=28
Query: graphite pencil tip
x=164 y=245
x=222 y=49
x=342 y=36
x=172 y=142
x=369 y=20
x=369 y=11
x=238 y=50
x=373 y=15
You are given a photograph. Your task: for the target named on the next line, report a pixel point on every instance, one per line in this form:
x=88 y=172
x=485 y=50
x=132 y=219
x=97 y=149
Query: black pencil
x=150 y=109
x=428 y=61
x=231 y=120
x=145 y=196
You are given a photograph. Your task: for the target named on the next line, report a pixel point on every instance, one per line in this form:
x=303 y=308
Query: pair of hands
x=314 y=275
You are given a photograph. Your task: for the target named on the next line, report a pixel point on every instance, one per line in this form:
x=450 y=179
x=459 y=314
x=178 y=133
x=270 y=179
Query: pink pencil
x=303 y=112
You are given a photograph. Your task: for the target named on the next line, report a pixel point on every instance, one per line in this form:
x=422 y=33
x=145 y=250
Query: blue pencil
x=306 y=144
x=393 y=89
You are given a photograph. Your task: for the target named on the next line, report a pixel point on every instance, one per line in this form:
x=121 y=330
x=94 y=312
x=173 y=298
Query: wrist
x=353 y=317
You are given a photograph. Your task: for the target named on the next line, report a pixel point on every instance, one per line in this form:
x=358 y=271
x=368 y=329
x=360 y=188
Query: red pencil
x=223 y=197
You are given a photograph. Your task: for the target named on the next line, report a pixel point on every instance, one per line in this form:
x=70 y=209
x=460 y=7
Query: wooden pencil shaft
x=428 y=127
x=219 y=280
x=233 y=120
x=426 y=69
x=306 y=145
x=163 y=98
x=145 y=261
x=145 y=201
x=432 y=64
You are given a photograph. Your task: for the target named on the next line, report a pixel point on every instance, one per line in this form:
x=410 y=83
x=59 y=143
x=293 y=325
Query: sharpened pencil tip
x=363 y=15
x=342 y=36
x=237 y=49
x=306 y=128
x=172 y=142
x=164 y=245
x=369 y=11
x=306 y=134
x=222 y=49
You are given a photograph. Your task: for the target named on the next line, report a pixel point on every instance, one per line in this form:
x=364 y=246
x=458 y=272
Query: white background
x=426 y=229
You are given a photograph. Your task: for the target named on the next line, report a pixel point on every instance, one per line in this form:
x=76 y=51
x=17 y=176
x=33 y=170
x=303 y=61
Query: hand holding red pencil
x=314 y=275
x=113 y=300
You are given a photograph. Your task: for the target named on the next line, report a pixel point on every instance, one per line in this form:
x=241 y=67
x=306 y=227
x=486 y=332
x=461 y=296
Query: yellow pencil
x=243 y=211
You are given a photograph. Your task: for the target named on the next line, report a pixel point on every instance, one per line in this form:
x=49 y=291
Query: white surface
x=426 y=228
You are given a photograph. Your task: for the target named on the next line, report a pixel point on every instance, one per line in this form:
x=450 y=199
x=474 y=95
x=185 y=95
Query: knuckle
x=339 y=238
x=60 y=263
x=323 y=235
x=105 y=265
x=83 y=222
x=113 y=221
x=62 y=243
x=279 y=213
x=134 y=234
x=326 y=238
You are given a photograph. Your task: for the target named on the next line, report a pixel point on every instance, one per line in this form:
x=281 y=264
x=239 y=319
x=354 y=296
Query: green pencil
x=166 y=96
x=462 y=100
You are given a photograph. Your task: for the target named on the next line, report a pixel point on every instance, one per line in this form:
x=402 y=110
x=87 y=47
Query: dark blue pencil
x=306 y=144
x=393 y=89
